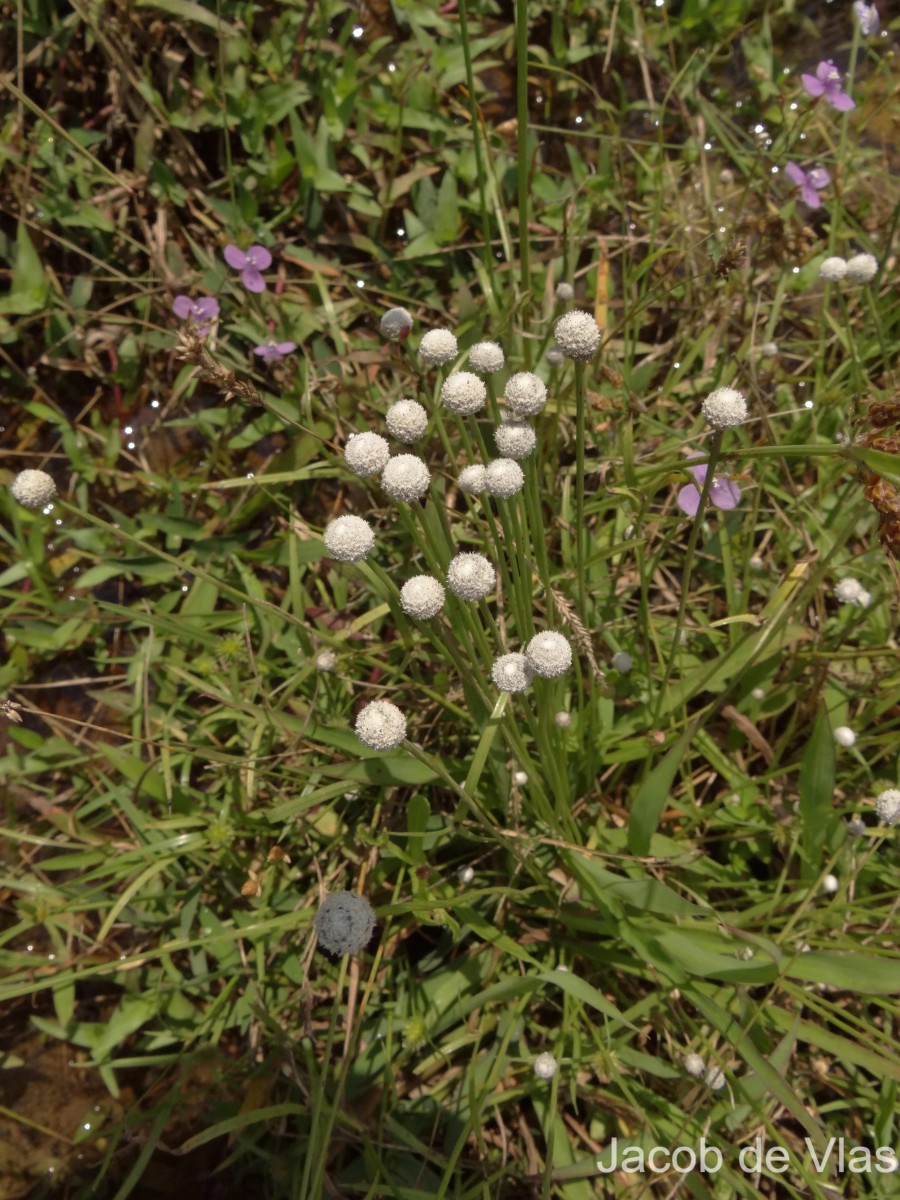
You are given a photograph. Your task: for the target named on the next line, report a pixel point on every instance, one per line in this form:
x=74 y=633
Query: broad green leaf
x=652 y=794
x=30 y=288
x=816 y=787
x=866 y=974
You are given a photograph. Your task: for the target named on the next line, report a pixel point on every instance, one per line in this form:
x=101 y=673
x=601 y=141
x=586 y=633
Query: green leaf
x=187 y=10
x=30 y=288
x=816 y=788
x=861 y=973
x=446 y=219
x=652 y=794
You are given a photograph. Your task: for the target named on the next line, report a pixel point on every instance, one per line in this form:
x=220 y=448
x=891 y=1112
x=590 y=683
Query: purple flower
x=722 y=492
x=810 y=183
x=251 y=264
x=202 y=312
x=867 y=15
x=827 y=82
x=271 y=352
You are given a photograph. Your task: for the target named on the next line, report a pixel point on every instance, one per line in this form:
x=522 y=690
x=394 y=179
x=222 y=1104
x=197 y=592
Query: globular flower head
x=867 y=15
x=486 y=358
x=504 y=478
x=463 y=393
x=545 y=1065
x=407 y=421
x=405 y=477
x=366 y=453
x=271 y=352
x=326 y=660
x=694 y=1065
x=251 y=263
x=465 y=874
x=851 y=591
x=723 y=493
x=511 y=672
x=515 y=439
x=549 y=654
x=622 y=661
x=769 y=349
x=828 y=82
x=563 y=719
x=887 y=806
x=714 y=1078
x=422 y=597
x=520 y=778
x=349 y=539
x=473 y=480
x=396 y=324
x=33 y=489
x=833 y=269
x=809 y=182
x=725 y=408
x=577 y=335
x=555 y=356
x=381 y=725
x=202 y=312
x=844 y=735
x=438 y=346
x=470 y=576
x=526 y=394
x=565 y=292
x=830 y=884
x=861 y=268
x=344 y=923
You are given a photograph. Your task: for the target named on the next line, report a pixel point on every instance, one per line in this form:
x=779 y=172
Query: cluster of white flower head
x=512 y=672
x=860 y=268
x=366 y=453
x=33 y=489
x=486 y=358
x=526 y=394
x=396 y=324
x=381 y=725
x=577 y=335
x=470 y=576
x=725 y=408
x=473 y=480
x=887 y=806
x=437 y=347
x=422 y=597
x=349 y=539
x=406 y=421
x=463 y=393
x=344 y=923
x=405 y=477
x=851 y=591
x=514 y=438
x=504 y=478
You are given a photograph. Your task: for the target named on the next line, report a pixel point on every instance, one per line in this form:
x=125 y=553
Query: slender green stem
x=486 y=253
x=580 y=531
x=522 y=154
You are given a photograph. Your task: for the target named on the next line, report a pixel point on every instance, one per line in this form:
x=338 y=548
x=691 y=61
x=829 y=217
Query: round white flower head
x=33 y=489
x=515 y=439
x=758 y=693
x=830 y=884
x=422 y=597
x=848 y=590
x=724 y=408
x=406 y=420
x=504 y=478
x=520 y=778
x=486 y=358
x=344 y=923
x=366 y=453
x=856 y=827
x=563 y=719
x=577 y=335
x=326 y=660
x=405 y=477
x=769 y=349
x=622 y=661
x=549 y=654
x=833 y=269
x=437 y=347
x=465 y=874
x=470 y=576
x=473 y=479
x=545 y=1065
x=349 y=539
x=861 y=268
x=463 y=393
x=714 y=1079
x=565 y=292
x=844 y=735
x=694 y=1065
x=380 y=725
x=887 y=806
x=511 y=673
x=555 y=356
x=526 y=393
x=396 y=324
x=864 y=599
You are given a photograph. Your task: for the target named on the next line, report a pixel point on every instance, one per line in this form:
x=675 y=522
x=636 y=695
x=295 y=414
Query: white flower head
x=515 y=439
x=326 y=660
x=33 y=489
x=861 y=268
x=520 y=778
x=470 y=576
x=344 y=923
x=405 y=477
x=366 y=453
x=563 y=719
x=349 y=539
x=526 y=394
x=577 y=335
x=406 y=421
x=465 y=874
x=396 y=324
x=725 y=408
x=694 y=1065
x=473 y=479
x=555 y=356
x=844 y=735
x=850 y=591
x=758 y=693
x=463 y=393
x=856 y=827
x=714 y=1079
x=545 y=1065
x=769 y=349
x=504 y=478
x=422 y=597
x=437 y=347
x=380 y=725
x=565 y=292
x=486 y=358
x=830 y=884
x=833 y=269
x=549 y=654
x=622 y=661
x=512 y=672
x=887 y=806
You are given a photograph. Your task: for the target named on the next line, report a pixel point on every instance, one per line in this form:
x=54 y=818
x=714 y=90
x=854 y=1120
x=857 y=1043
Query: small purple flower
x=202 y=312
x=867 y=15
x=251 y=264
x=723 y=493
x=827 y=82
x=271 y=352
x=810 y=183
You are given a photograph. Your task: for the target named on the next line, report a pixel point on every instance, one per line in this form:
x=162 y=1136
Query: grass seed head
x=725 y=408
x=463 y=393
x=438 y=346
x=349 y=539
x=887 y=806
x=504 y=478
x=381 y=725
x=549 y=654
x=512 y=673
x=406 y=421
x=33 y=489
x=545 y=1065
x=422 y=597
x=344 y=923
x=515 y=439
x=470 y=576
x=366 y=453
x=526 y=394
x=577 y=335
x=405 y=477
x=473 y=479
x=486 y=358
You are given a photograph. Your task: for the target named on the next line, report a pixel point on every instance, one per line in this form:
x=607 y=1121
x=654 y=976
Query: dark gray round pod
x=344 y=923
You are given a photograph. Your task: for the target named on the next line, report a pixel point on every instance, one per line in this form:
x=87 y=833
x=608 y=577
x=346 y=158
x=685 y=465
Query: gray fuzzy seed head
x=473 y=479
x=405 y=477
x=470 y=576
x=396 y=324
x=526 y=394
x=349 y=539
x=33 y=489
x=422 y=597
x=549 y=654
x=515 y=439
x=381 y=725
x=725 y=408
x=504 y=478
x=406 y=421
x=366 y=453
x=512 y=672
x=577 y=335
x=486 y=358
x=463 y=393
x=438 y=346
x=345 y=923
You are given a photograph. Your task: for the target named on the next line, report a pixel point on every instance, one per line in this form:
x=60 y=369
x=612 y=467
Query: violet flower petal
x=181 y=307
x=810 y=196
x=841 y=101
x=795 y=174
x=206 y=306
x=688 y=499
x=253 y=280
x=724 y=493
x=819 y=178
x=285 y=347
x=235 y=257
x=699 y=473
x=259 y=257
x=812 y=86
